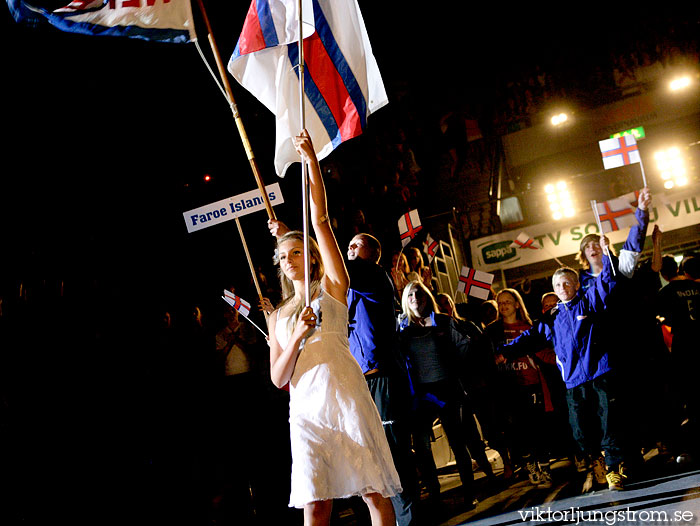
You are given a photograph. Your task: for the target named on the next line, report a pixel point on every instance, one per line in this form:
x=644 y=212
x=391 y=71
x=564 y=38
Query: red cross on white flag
x=430 y=247
x=237 y=302
x=523 y=241
x=475 y=283
x=409 y=226
x=615 y=214
x=619 y=152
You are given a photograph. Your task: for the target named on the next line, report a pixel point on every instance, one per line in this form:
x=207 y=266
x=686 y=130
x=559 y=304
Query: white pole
x=304 y=172
x=594 y=204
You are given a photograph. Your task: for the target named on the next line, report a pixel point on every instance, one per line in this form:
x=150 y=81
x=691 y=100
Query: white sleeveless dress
x=339 y=448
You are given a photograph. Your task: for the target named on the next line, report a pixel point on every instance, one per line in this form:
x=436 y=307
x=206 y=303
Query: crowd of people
x=598 y=377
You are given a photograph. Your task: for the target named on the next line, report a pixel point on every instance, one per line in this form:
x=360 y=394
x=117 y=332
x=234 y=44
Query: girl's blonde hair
x=521 y=313
x=316 y=272
x=407 y=313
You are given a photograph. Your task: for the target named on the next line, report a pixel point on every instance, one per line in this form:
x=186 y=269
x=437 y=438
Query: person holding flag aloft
x=591 y=255
x=591 y=390
x=339 y=448
x=626 y=328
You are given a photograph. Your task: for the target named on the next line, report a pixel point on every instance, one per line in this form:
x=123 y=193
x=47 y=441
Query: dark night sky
x=109 y=138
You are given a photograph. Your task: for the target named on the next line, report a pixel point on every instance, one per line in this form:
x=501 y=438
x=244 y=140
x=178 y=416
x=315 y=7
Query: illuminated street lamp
x=680 y=83
x=561 y=118
x=671 y=167
x=559 y=200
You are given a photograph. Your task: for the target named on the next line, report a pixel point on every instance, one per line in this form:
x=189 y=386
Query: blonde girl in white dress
x=339 y=448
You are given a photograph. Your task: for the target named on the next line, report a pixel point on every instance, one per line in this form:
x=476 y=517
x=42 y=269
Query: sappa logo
x=498 y=252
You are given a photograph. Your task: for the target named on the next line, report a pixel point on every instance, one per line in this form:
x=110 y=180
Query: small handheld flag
x=621 y=151
x=523 y=241
x=241 y=305
x=237 y=302
x=409 y=226
x=475 y=283
x=615 y=214
x=430 y=247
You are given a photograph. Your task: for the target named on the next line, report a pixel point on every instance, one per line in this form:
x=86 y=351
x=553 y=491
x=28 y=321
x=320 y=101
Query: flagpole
x=641 y=166
x=594 y=204
x=250 y=261
x=304 y=171
x=236 y=115
x=247 y=318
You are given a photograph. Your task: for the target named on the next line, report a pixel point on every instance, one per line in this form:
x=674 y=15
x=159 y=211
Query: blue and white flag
x=157 y=20
x=342 y=83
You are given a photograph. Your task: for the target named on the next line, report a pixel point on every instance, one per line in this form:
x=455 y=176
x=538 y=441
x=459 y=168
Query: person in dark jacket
x=591 y=393
x=374 y=344
x=433 y=347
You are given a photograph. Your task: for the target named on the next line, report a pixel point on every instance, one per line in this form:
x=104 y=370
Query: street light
x=671 y=167
x=560 y=118
x=680 y=83
x=559 y=200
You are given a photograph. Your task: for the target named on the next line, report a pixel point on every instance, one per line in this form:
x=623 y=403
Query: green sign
x=498 y=252
x=637 y=132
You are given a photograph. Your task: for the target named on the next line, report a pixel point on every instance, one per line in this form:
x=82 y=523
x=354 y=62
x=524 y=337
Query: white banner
x=230 y=208
x=670 y=212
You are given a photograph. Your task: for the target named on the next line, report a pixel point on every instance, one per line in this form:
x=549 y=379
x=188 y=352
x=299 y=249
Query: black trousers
x=447 y=401
x=391 y=398
x=595 y=418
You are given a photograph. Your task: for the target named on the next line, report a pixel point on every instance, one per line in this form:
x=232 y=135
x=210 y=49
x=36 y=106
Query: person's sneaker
x=545 y=479
x=533 y=473
x=614 y=480
x=599 y=471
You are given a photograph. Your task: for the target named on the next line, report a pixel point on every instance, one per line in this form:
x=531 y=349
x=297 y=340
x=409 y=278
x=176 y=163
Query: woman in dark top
x=434 y=348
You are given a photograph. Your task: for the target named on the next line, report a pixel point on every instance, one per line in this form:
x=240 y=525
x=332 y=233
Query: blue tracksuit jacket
x=571 y=327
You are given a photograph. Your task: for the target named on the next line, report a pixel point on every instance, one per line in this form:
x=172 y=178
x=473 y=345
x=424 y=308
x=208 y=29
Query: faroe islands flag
x=342 y=82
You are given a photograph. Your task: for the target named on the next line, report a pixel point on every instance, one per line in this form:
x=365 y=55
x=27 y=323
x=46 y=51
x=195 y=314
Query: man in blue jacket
x=572 y=328
x=374 y=344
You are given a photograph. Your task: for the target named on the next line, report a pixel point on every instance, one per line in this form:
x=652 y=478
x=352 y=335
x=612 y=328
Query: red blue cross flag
x=616 y=214
x=619 y=152
x=342 y=83
x=157 y=20
x=237 y=302
x=523 y=241
x=430 y=247
x=475 y=283
x=409 y=226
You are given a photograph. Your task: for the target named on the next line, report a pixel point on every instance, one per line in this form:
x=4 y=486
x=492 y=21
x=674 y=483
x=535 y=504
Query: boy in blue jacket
x=571 y=327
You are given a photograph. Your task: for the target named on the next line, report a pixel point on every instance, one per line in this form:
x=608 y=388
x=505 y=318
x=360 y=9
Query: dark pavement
x=662 y=493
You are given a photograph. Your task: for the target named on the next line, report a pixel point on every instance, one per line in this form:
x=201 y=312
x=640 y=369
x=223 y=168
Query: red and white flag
x=619 y=152
x=237 y=302
x=523 y=241
x=342 y=83
x=475 y=283
x=616 y=214
x=430 y=247
x=409 y=226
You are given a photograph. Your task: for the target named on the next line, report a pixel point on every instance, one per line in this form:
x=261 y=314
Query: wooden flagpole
x=244 y=139
x=236 y=114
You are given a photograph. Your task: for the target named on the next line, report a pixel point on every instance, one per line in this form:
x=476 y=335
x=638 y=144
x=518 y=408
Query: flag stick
x=641 y=167
x=304 y=171
x=594 y=204
x=247 y=318
x=250 y=261
x=236 y=115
